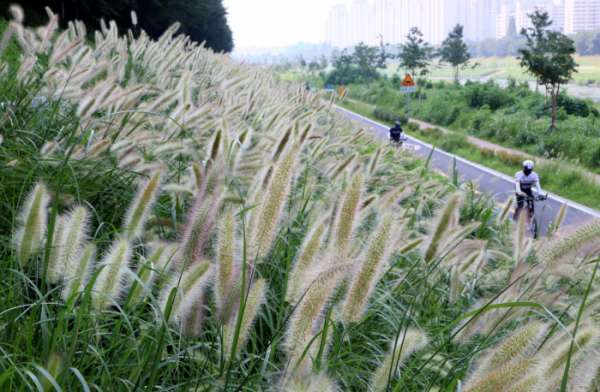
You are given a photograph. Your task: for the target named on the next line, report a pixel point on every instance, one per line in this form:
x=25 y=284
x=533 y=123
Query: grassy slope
x=571 y=183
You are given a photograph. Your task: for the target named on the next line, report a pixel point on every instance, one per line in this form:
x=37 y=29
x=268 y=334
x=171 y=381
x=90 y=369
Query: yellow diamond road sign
x=408 y=81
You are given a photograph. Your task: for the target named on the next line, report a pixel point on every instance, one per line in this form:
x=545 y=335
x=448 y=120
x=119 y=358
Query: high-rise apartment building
x=520 y=13
x=581 y=15
x=337 y=26
x=366 y=20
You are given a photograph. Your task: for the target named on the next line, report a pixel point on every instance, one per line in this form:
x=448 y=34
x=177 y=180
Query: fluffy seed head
x=225 y=260
x=408 y=342
x=519 y=342
x=55 y=365
x=272 y=205
x=54 y=273
x=307 y=254
x=81 y=275
x=370 y=270
x=564 y=247
x=17 y=13
x=138 y=211
x=75 y=234
x=305 y=320
x=199 y=225
x=193 y=306
x=554 y=357
x=500 y=379
x=196 y=275
x=112 y=280
x=347 y=215
x=32 y=222
x=253 y=303
x=447 y=218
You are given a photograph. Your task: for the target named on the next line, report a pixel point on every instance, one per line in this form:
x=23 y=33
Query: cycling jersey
x=525 y=182
x=396 y=134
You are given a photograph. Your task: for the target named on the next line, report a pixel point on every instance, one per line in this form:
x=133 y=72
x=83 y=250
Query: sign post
x=408 y=86
x=341 y=91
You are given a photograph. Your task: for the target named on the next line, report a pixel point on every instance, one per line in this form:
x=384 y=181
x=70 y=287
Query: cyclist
x=396 y=134
x=524 y=181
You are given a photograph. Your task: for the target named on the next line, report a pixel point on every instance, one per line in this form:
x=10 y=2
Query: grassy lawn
x=568 y=182
x=589 y=69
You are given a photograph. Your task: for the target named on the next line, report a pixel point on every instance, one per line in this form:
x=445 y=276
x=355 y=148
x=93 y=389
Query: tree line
x=202 y=20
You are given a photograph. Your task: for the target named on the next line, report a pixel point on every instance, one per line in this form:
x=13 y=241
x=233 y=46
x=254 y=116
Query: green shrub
x=573 y=105
x=349 y=75
x=510 y=159
x=479 y=94
x=435 y=133
x=551 y=146
x=527 y=137
x=453 y=141
x=486 y=152
x=389 y=115
x=413 y=126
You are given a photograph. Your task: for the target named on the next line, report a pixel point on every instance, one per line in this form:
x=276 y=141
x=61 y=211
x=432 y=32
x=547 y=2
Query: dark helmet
x=398 y=123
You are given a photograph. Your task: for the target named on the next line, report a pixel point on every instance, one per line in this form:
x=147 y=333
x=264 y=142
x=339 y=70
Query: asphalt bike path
x=498 y=184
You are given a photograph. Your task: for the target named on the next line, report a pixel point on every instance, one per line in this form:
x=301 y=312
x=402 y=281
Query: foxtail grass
x=138 y=212
x=347 y=214
x=183 y=283
x=272 y=205
x=252 y=303
x=112 y=279
x=448 y=217
x=225 y=260
x=370 y=270
x=408 y=342
x=306 y=256
x=32 y=222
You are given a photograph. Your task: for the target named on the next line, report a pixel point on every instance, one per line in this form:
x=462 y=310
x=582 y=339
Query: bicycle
x=532 y=226
x=398 y=143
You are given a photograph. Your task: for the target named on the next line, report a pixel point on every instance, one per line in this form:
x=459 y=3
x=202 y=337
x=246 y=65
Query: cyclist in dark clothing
x=396 y=134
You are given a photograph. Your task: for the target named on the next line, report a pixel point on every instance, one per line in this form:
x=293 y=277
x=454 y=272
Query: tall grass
x=173 y=220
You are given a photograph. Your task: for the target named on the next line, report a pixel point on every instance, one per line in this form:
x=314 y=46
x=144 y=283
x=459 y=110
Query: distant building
x=337 y=26
x=366 y=20
x=581 y=15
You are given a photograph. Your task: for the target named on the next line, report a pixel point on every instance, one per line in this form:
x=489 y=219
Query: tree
x=301 y=61
x=415 y=55
x=455 y=51
x=595 y=47
x=342 y=61
x=323 y=61
x=313 y=65
x=202 y=20
x=548 y=56
x=366 y=57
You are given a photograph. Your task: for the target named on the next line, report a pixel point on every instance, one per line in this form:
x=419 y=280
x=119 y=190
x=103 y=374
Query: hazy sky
x=270 y=23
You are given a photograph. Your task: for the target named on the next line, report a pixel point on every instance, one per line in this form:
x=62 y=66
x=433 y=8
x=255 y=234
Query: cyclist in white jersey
x=524 y=181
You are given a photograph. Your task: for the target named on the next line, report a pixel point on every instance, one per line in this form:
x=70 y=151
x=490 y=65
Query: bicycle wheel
x=533 y=228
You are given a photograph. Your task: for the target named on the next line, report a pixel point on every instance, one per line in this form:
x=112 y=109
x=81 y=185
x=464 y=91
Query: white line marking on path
x=570 y=203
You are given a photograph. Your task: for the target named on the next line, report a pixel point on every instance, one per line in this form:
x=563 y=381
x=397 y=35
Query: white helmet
x=528 y=164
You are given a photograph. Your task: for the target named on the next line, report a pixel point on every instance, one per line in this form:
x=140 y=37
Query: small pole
x=407 y=108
